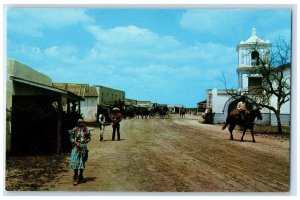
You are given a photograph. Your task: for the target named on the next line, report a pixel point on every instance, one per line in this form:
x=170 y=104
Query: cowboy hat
x=116 y=109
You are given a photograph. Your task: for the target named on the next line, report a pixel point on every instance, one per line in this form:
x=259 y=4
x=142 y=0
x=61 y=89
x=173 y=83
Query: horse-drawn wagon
x=159 y=111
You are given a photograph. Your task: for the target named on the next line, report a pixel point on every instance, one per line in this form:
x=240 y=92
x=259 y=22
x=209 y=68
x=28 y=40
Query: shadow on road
x=87 y=179
x=112 y=140
x=239 y=140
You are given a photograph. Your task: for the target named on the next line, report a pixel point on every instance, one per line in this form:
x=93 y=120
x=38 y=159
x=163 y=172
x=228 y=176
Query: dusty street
x=173 y=155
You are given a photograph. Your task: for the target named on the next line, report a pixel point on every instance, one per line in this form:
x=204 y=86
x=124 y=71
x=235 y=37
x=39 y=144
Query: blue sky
x=162 y=55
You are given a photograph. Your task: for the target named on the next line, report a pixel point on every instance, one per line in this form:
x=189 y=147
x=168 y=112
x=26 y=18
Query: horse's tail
x=225 y=125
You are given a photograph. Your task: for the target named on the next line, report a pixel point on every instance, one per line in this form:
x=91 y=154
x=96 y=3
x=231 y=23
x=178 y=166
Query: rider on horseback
x=241 y=107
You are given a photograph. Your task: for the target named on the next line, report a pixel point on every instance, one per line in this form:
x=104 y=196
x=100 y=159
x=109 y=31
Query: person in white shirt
x=241 y=106
x=101 y=124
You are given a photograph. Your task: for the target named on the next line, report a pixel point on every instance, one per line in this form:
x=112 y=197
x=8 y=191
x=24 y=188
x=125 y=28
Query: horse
x=164 y=112
x=181 y=112
x=129 y=112
x=144 y=112
x=248 y=123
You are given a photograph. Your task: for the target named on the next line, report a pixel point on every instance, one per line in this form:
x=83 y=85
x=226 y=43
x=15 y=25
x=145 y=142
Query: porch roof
x=47 y=87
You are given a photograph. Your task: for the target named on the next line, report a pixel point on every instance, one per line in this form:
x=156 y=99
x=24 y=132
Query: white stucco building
x=222 y=103
x=89 y=93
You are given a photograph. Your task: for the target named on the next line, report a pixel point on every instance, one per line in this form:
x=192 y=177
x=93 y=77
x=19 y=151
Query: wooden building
x=35 y=121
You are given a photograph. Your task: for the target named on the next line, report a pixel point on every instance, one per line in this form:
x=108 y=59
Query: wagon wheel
x=152 y=115
x=168 y=115
x=157 y=115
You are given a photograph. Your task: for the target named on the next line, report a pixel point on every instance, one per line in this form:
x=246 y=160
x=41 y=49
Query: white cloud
x=120 y=35
x=132 y=36
x=133 y=46
x=138 y=54
x=32 y=21
x=132 y=57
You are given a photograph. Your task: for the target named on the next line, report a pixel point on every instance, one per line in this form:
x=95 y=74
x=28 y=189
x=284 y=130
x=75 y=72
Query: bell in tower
x=254 y=58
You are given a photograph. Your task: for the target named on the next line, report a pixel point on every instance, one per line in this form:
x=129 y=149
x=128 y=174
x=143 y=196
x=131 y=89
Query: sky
x=162 y=55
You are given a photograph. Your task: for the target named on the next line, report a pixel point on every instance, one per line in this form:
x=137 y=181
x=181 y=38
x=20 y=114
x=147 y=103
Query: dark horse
x=233 y=119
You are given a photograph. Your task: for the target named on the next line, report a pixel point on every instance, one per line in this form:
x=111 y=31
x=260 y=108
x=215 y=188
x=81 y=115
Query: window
x=255 y=84
x=254 y=58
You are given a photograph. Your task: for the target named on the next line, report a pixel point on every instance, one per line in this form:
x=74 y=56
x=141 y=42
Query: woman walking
x=79 y=137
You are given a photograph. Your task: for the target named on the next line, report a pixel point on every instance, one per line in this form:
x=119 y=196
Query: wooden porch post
x=68 y=106
x=79 y=106
x=59 y=126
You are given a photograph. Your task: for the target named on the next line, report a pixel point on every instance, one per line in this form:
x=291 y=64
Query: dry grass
x=272 y=130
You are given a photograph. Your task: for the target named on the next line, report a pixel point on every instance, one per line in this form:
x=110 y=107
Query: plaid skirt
x=78 y=157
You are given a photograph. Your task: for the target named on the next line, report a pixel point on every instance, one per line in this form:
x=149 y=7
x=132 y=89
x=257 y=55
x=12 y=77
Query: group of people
x=115 y=119
x=79 y=138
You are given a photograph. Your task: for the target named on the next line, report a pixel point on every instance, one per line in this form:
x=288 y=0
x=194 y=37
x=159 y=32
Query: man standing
x=116 y=119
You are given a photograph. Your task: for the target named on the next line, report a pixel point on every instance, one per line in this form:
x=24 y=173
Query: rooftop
x=254 y=39
x=80 y=89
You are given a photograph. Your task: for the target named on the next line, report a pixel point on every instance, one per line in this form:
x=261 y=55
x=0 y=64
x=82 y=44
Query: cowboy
x=116 y=119
x=241 y=107
x=79 y=137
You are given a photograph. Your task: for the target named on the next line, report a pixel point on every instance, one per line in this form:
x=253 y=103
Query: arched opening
x=254 y=58
x=228 y=106
x=233 y=103
x=232 y=106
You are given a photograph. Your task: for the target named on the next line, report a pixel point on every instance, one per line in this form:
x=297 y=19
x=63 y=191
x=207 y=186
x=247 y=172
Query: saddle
x=236 y=114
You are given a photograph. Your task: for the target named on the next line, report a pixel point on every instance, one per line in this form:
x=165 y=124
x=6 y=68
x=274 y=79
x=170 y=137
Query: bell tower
x=249 y=53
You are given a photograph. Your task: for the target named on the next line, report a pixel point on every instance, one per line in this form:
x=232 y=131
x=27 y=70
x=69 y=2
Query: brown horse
x=233 y=119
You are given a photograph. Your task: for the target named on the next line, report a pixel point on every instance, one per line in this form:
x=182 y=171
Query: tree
x=273 y=80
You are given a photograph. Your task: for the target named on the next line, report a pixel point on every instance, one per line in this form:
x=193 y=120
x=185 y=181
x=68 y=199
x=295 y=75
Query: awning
x=47 y=87
x=39 y=85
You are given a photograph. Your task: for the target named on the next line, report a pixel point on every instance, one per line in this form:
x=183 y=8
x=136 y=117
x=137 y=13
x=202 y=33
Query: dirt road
x=172 y=155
